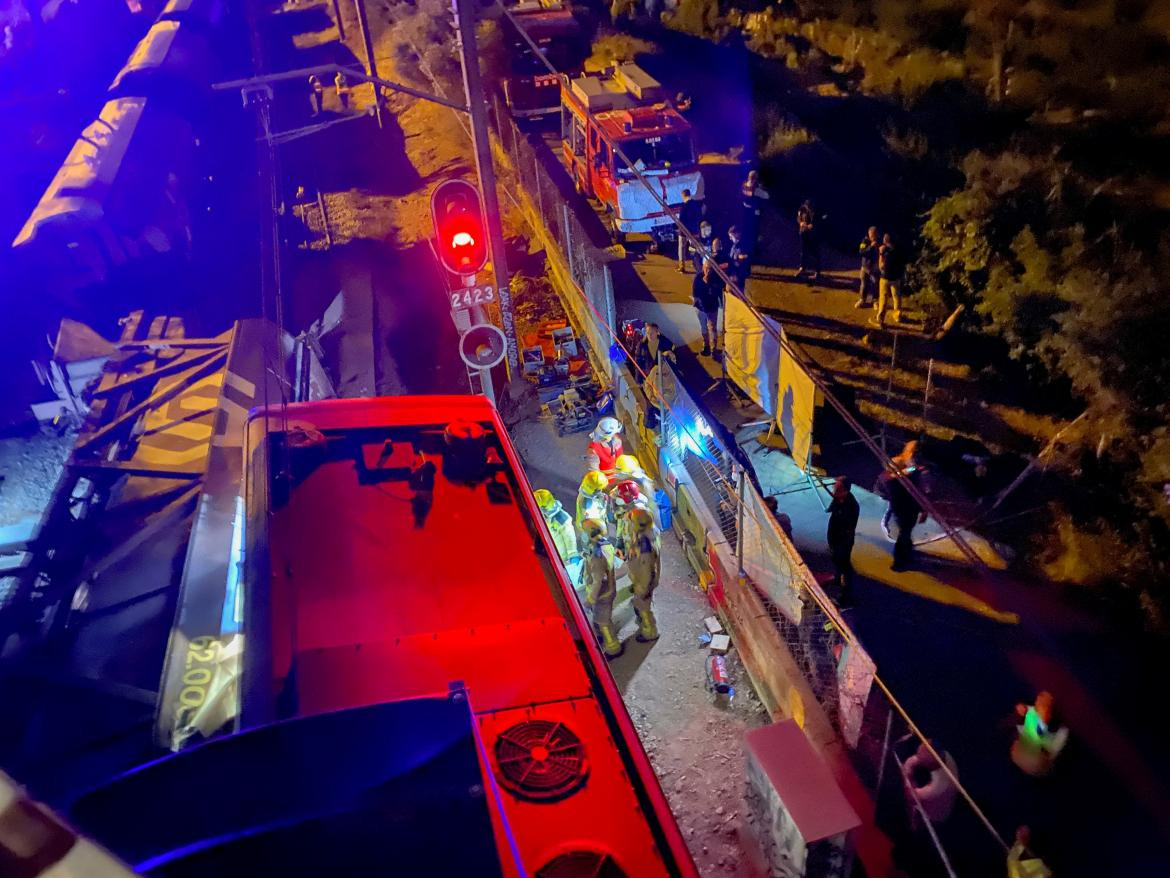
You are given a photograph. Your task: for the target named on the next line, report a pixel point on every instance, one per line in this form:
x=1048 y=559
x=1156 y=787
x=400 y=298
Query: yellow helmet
x=627 y=463
x=594 y=481
x=544 y=499
x=593 y=529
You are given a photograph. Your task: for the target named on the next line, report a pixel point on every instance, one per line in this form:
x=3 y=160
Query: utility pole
x=371 y=62
x=477 y=104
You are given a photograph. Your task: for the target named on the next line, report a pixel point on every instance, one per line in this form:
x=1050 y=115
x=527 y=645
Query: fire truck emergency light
x=460 y=230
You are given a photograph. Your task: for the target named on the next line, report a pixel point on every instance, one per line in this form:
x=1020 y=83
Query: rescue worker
x=560 y=525
x=605 y=446
x=601 y=584
x=644 y=565
x=630 y=467
x=625 y=497
x=341 y=86
x=592 y=501
x=316 y=94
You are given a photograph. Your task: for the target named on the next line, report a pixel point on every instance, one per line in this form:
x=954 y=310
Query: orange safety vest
x=607 y=455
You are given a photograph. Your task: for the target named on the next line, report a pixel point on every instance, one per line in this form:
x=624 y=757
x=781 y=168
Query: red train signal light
x=460 y=230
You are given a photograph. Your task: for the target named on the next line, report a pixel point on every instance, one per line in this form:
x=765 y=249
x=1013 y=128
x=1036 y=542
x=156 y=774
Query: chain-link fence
x=760 y=555
x=540 y=192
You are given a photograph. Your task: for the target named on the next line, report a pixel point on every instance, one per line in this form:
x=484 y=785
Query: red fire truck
x=627 y=107
x=531 y=89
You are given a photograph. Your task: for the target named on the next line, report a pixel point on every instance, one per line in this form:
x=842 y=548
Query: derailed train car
x=120 y=205
x=118 y=200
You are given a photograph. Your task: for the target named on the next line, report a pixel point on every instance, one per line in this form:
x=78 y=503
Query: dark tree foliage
x=1027 y=244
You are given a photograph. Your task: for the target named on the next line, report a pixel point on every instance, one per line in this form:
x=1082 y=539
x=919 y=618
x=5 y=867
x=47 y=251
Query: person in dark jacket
x=739 y=257
x=752 y=197
x=690 y=214
x=707 y=295
x=867 y=291
x=905 y=509
x=653 y=344
x=843 y=513
x=810 y=250
x=706 y=238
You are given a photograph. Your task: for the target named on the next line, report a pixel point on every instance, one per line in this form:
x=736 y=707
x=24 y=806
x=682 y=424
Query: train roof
x=109 y=199
x=169 y=50
x=366 y=606
x=205 y=12
x=423 y=600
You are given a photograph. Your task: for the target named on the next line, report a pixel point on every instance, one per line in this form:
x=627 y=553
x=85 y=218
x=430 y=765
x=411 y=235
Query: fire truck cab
x=626 y=106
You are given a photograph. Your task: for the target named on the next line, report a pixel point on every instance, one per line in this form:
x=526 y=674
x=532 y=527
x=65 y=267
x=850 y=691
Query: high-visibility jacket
x=607 y=454
x=592 y=506
x=564 y=535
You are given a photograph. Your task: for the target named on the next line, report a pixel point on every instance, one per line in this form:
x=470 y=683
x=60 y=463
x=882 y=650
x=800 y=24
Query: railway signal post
x=477 y=107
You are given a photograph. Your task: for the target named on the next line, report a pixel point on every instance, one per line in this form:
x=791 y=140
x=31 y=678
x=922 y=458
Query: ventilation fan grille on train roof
x=581 y=864
x=541 y=760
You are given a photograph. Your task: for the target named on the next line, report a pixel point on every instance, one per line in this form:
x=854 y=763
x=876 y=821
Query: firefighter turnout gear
x=629 y=467
x=560 y=524
x=605 y=446
x=601 y=584
x=626 y=496
x=592 y=501
x=644 y=565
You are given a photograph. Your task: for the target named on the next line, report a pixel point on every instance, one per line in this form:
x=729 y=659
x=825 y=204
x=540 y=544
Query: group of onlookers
x=883 y=262
x=883 y=266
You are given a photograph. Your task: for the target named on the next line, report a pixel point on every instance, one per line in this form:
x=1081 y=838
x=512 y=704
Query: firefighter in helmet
x=592 y=501
x=601 y=583
x=644 y=564
x=605 y=446
x=625 y=497
x=560 y=525
x=629 y=467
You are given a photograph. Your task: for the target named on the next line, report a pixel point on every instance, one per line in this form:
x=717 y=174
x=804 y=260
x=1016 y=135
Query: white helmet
x=607 y=428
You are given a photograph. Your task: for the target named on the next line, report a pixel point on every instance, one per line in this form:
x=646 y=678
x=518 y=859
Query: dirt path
x=695 y=745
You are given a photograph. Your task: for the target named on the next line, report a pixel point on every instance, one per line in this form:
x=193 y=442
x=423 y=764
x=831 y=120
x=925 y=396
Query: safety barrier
x=804 y=660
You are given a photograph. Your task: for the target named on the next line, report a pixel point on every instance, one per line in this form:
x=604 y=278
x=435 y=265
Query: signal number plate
x=461 y=299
